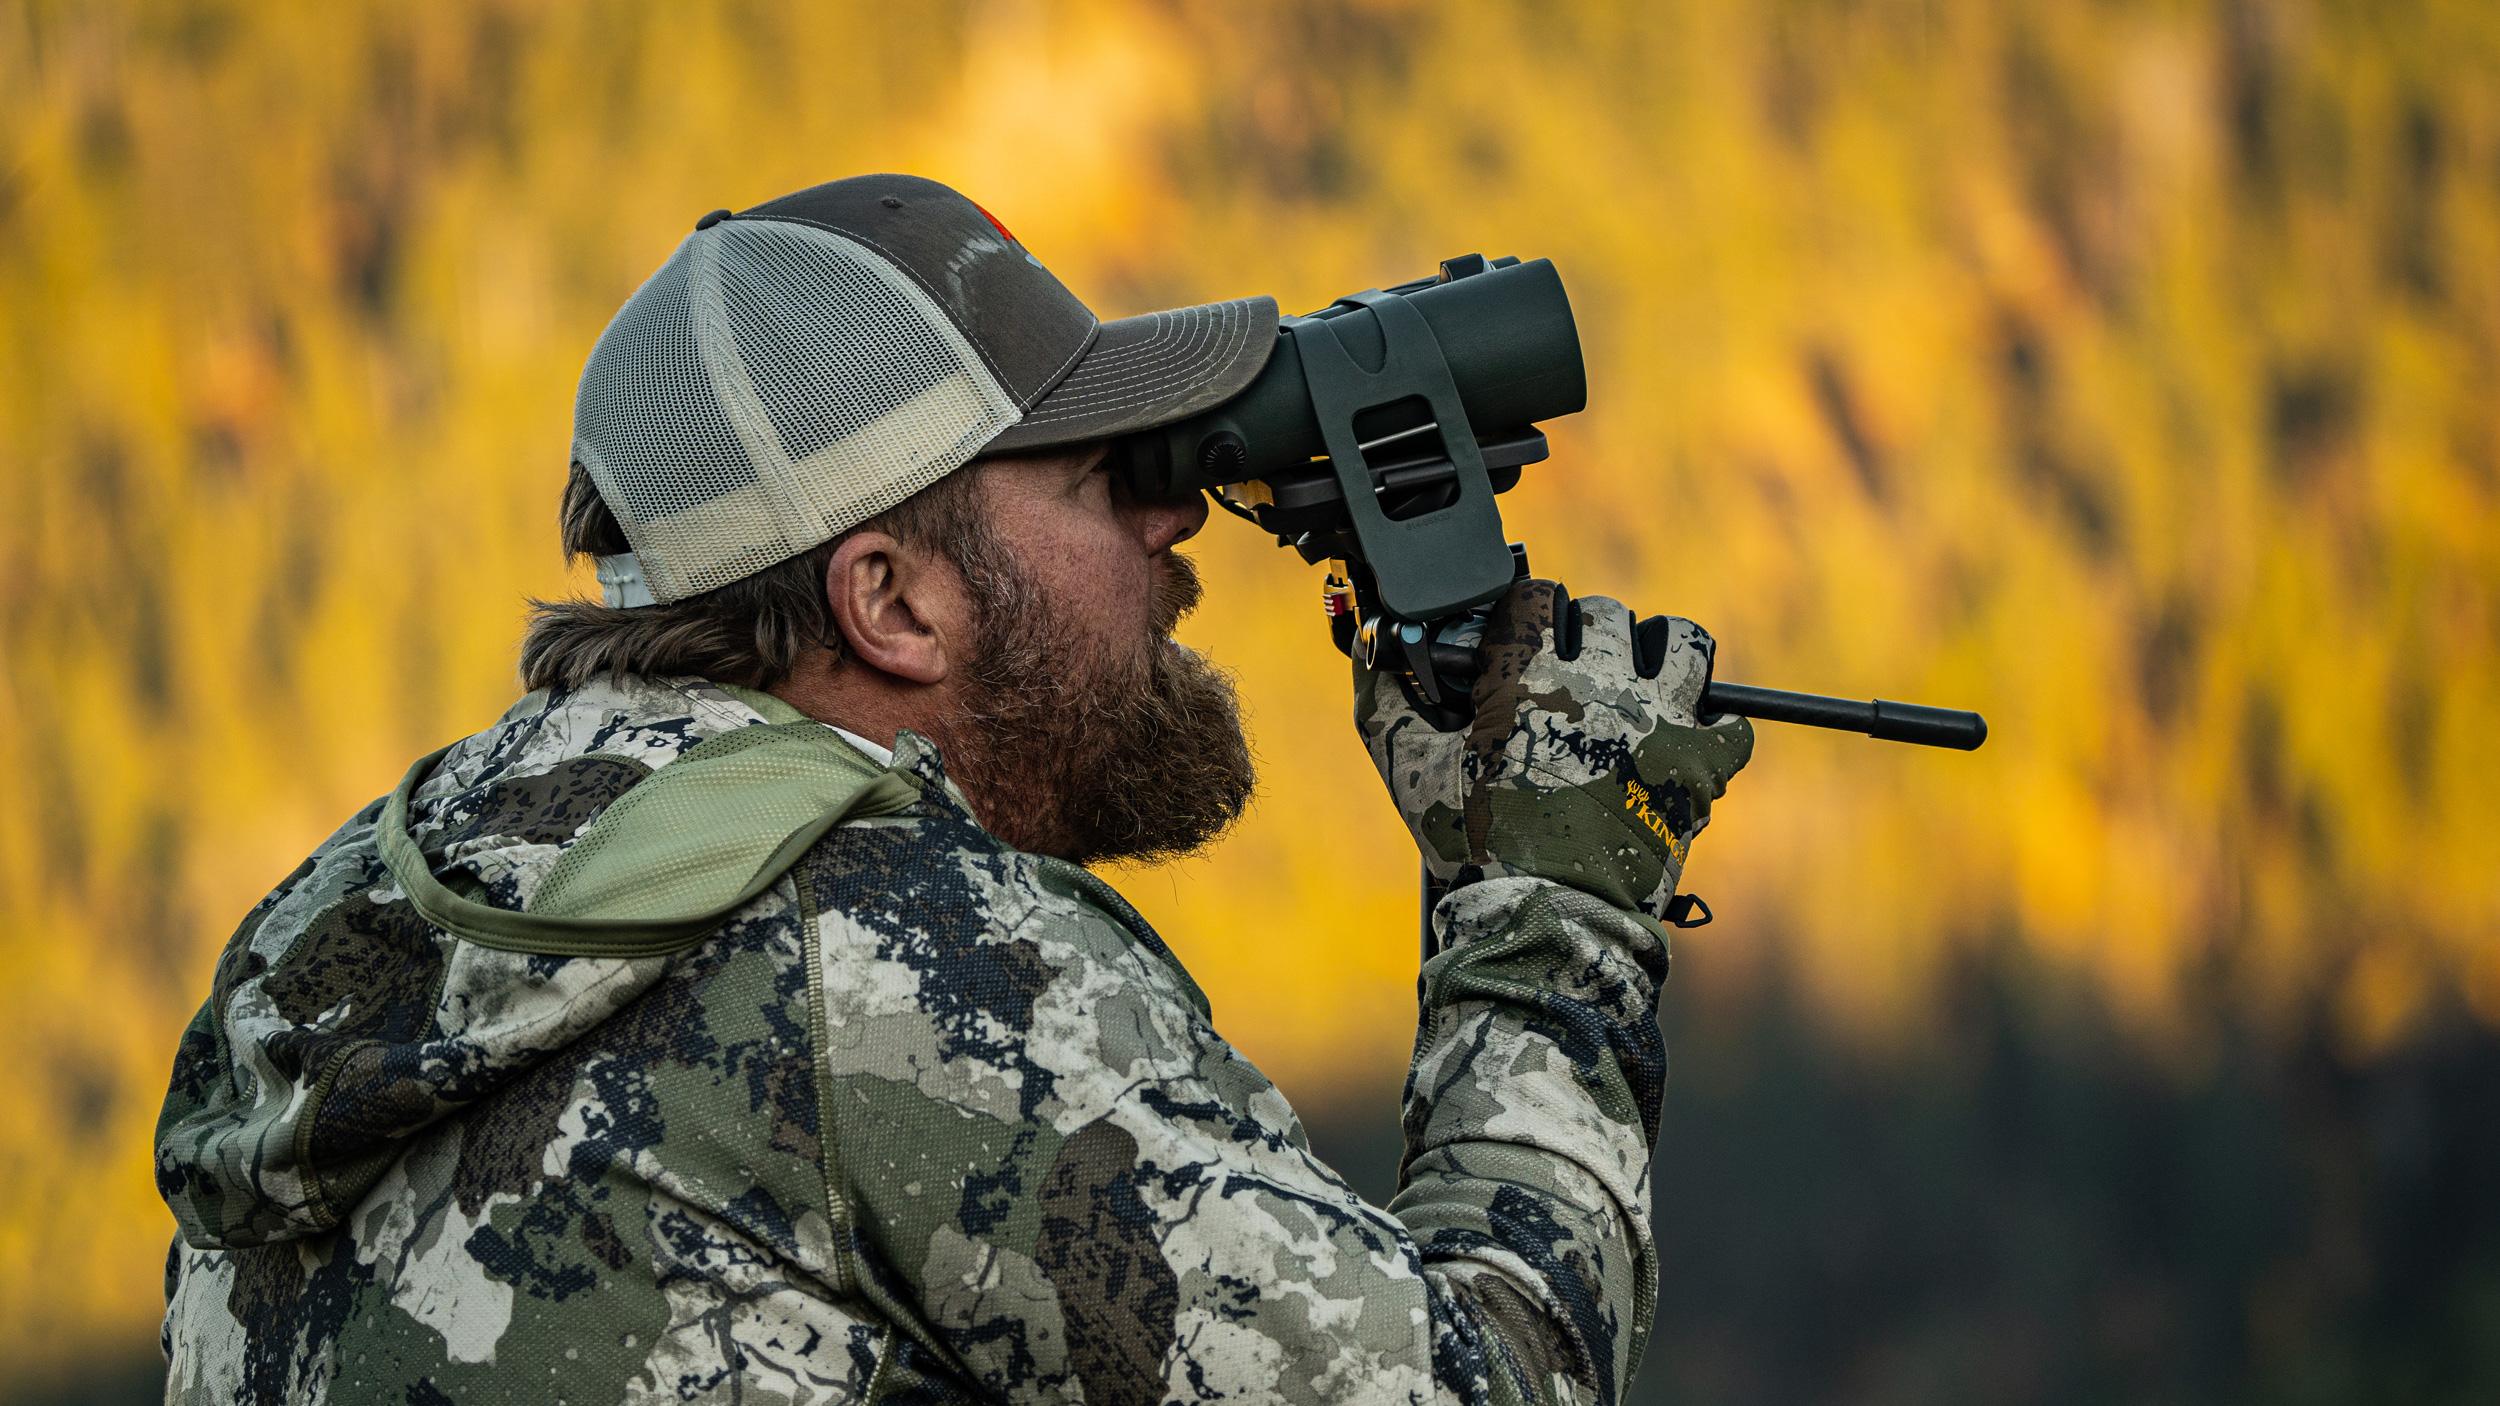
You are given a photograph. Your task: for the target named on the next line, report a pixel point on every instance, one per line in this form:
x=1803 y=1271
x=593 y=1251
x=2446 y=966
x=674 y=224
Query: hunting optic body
x=1376 y=439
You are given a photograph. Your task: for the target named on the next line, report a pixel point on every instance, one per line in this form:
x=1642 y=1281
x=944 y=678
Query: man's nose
x=1169 y=524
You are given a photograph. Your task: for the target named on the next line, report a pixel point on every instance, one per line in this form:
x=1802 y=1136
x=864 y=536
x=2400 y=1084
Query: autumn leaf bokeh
x=2124 y=371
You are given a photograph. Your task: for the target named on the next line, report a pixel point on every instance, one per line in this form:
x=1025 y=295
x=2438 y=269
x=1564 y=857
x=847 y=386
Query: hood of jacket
x=517 y=888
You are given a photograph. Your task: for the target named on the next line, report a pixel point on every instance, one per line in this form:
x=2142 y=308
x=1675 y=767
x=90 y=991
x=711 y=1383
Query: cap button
x=711 y=219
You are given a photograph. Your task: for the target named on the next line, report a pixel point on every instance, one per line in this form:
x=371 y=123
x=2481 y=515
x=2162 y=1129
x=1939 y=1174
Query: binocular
x=1376 y=439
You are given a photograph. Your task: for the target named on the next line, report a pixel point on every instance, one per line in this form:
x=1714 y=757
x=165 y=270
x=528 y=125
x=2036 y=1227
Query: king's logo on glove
x=1636 y=800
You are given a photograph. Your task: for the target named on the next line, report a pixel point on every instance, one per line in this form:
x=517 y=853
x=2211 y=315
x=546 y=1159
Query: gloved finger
x=1530 y=616
x=1649 y=645
x=1604 y=630
x=1679 y=654
x=1654 y=637
x=1525 y=624
x=1589 y=663
x=1606 y=616
x=1660 y=635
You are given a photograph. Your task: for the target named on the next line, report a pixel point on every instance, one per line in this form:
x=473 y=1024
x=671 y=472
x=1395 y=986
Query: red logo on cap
x=1003 y=231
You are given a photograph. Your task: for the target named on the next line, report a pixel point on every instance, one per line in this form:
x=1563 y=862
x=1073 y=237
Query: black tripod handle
x=1878 y=718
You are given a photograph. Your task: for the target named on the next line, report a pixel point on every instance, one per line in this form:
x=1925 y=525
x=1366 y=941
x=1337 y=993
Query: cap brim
x=1147 y=371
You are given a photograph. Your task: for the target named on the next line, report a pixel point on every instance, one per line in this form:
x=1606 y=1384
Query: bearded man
x=734 y=1020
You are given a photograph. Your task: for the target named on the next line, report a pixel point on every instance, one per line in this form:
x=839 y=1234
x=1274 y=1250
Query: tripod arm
x=1880 y=718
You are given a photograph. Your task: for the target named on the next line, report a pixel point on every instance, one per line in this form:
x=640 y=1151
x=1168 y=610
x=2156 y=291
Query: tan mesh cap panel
x=773 y=385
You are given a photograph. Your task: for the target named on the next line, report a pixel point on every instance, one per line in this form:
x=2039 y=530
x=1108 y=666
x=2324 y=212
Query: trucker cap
x=798 y=367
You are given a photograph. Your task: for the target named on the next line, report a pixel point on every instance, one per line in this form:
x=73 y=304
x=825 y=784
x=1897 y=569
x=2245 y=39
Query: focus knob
x=1223 y=458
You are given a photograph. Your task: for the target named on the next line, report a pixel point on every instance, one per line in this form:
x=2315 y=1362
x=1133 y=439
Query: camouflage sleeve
x=1058 y=1179
x=1531 y=1108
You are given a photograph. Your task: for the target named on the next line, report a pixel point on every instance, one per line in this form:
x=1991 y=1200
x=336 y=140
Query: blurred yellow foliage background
x=2122 y=370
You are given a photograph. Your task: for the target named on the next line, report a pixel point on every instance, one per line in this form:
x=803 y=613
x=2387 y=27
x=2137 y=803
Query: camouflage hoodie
x=654 y=1044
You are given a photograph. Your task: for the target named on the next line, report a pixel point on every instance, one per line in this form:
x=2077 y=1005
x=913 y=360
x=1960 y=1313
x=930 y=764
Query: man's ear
x=896 y=607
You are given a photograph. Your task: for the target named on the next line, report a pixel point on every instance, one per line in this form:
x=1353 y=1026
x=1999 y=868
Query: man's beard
x=1138 y=755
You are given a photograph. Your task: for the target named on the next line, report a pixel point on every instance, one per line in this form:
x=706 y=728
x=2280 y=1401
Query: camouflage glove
x=1586 y=764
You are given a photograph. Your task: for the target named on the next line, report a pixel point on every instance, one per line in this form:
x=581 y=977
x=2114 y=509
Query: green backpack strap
x=677 y=853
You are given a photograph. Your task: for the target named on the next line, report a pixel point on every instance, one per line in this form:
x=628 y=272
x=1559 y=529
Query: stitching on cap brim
x=1153 y=379
x=1180 y=353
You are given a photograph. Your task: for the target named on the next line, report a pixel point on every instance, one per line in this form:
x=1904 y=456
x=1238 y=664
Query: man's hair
x=751 y=632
